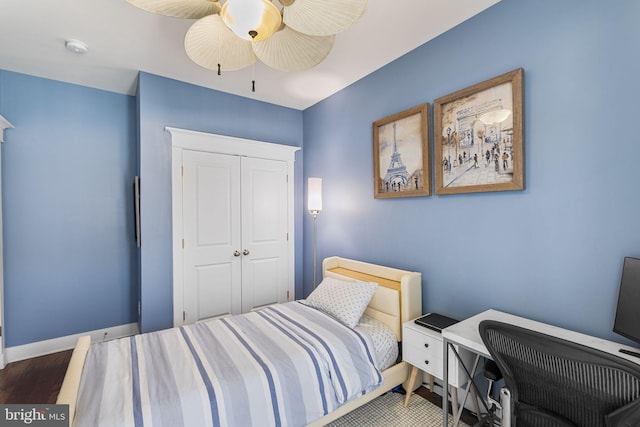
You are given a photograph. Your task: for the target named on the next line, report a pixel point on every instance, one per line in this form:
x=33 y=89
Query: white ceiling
x=123 y=40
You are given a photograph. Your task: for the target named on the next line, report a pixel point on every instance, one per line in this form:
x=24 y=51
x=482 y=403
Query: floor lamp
x=314 y=205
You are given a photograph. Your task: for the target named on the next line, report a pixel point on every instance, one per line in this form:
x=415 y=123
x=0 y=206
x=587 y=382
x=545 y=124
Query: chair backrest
x=554 y=382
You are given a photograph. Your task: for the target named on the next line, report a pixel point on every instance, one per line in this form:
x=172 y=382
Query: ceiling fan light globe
x=251 y=19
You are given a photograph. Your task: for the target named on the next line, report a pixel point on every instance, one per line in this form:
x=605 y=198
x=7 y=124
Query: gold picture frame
x=479 y=137
x=401 y=154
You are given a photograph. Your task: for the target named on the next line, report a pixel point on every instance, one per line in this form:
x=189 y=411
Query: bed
x=396 y=299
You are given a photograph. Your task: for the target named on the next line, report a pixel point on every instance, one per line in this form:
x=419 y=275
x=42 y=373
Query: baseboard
x=40 y=348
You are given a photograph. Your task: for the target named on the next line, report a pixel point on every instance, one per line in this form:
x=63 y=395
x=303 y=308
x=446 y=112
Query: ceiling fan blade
x=289 y=50
x=190 y=9
x=210 y=42
x=323 y=17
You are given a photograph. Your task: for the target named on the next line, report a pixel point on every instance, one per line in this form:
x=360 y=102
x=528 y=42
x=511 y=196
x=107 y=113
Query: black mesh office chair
x=554 y=382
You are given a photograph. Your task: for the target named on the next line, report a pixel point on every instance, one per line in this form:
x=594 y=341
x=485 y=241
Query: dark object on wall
x=627 y=322
x=136 y=209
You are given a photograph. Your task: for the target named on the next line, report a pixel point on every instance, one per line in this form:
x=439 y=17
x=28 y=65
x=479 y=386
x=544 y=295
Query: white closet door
x=211 y=229
x=264 y=232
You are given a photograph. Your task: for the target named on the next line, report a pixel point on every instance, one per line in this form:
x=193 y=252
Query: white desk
x=466 y=334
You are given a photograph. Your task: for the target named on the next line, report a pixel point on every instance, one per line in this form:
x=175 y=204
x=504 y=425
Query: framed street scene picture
x=401 y=154
x=479 y=137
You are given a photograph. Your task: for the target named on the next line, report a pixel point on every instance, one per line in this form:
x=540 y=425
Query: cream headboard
x=399 y=294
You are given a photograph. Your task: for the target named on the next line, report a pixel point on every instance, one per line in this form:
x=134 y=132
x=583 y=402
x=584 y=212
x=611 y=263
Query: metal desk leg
x=445 y=384
x=471 y=386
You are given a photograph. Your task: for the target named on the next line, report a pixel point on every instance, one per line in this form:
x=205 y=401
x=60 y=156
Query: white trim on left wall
x=54 y=345
x=4 y=124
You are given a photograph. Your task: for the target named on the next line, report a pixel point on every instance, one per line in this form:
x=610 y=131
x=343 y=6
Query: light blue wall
x=164 y=102
x=67 y=170
x=552 y=252
x=71 y=264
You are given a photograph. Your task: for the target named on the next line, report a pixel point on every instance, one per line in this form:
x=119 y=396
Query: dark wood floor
x=38 y=380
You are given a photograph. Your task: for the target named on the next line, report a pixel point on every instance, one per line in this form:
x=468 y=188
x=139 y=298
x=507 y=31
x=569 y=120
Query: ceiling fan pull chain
x=219 y=68
x=253 y=35
x=253 y=77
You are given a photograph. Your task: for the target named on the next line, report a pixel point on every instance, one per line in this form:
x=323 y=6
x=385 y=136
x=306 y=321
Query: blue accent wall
x=67 y=172
x=165 y=102
x=552 y=252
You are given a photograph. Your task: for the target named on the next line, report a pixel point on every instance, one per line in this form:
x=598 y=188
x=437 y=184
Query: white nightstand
x=422 y=348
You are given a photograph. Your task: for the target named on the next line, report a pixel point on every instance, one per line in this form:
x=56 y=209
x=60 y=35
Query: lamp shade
x=314 y=191
x=494 y=116
x=251 y=19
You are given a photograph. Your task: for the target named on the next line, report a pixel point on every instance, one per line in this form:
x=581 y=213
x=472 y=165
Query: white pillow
x=346 y=301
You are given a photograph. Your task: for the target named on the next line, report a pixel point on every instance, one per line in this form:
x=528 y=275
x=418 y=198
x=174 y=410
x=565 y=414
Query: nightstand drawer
x=423 y=348
x=423 y=351
x=425 y=339
x=427 y=359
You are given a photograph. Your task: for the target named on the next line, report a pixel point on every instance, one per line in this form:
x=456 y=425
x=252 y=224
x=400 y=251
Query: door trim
x=4 y=124
x=183 y=139
x=222 y=144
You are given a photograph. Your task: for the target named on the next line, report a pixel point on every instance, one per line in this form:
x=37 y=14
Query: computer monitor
x=627 y=321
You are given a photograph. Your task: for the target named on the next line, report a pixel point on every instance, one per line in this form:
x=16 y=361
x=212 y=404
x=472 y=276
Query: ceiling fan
x=233 y=34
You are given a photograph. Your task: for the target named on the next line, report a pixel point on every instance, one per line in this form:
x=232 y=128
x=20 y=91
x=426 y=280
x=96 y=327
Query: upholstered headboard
x=399 y=294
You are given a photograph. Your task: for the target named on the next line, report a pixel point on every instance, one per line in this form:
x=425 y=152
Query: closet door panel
x=261 y=283
x=214 y=297
x=211 y=229
x=264 y=232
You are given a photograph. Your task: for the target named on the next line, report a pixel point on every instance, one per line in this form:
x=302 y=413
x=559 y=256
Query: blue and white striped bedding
x=383 y=338
x=283 y=365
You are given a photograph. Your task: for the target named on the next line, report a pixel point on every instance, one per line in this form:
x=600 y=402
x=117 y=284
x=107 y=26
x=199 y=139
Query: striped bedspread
x=284 y=365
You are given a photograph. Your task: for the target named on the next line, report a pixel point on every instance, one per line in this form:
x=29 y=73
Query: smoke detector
x=76 y=46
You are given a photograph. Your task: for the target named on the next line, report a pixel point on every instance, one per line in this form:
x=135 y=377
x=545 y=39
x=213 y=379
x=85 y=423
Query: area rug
x=388 y=410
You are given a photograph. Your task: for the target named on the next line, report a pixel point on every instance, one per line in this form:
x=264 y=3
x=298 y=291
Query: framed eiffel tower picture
x=401 y=154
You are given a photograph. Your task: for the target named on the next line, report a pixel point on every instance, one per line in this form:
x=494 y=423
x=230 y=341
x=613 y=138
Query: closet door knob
x=245 y=252
x=236 y=253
